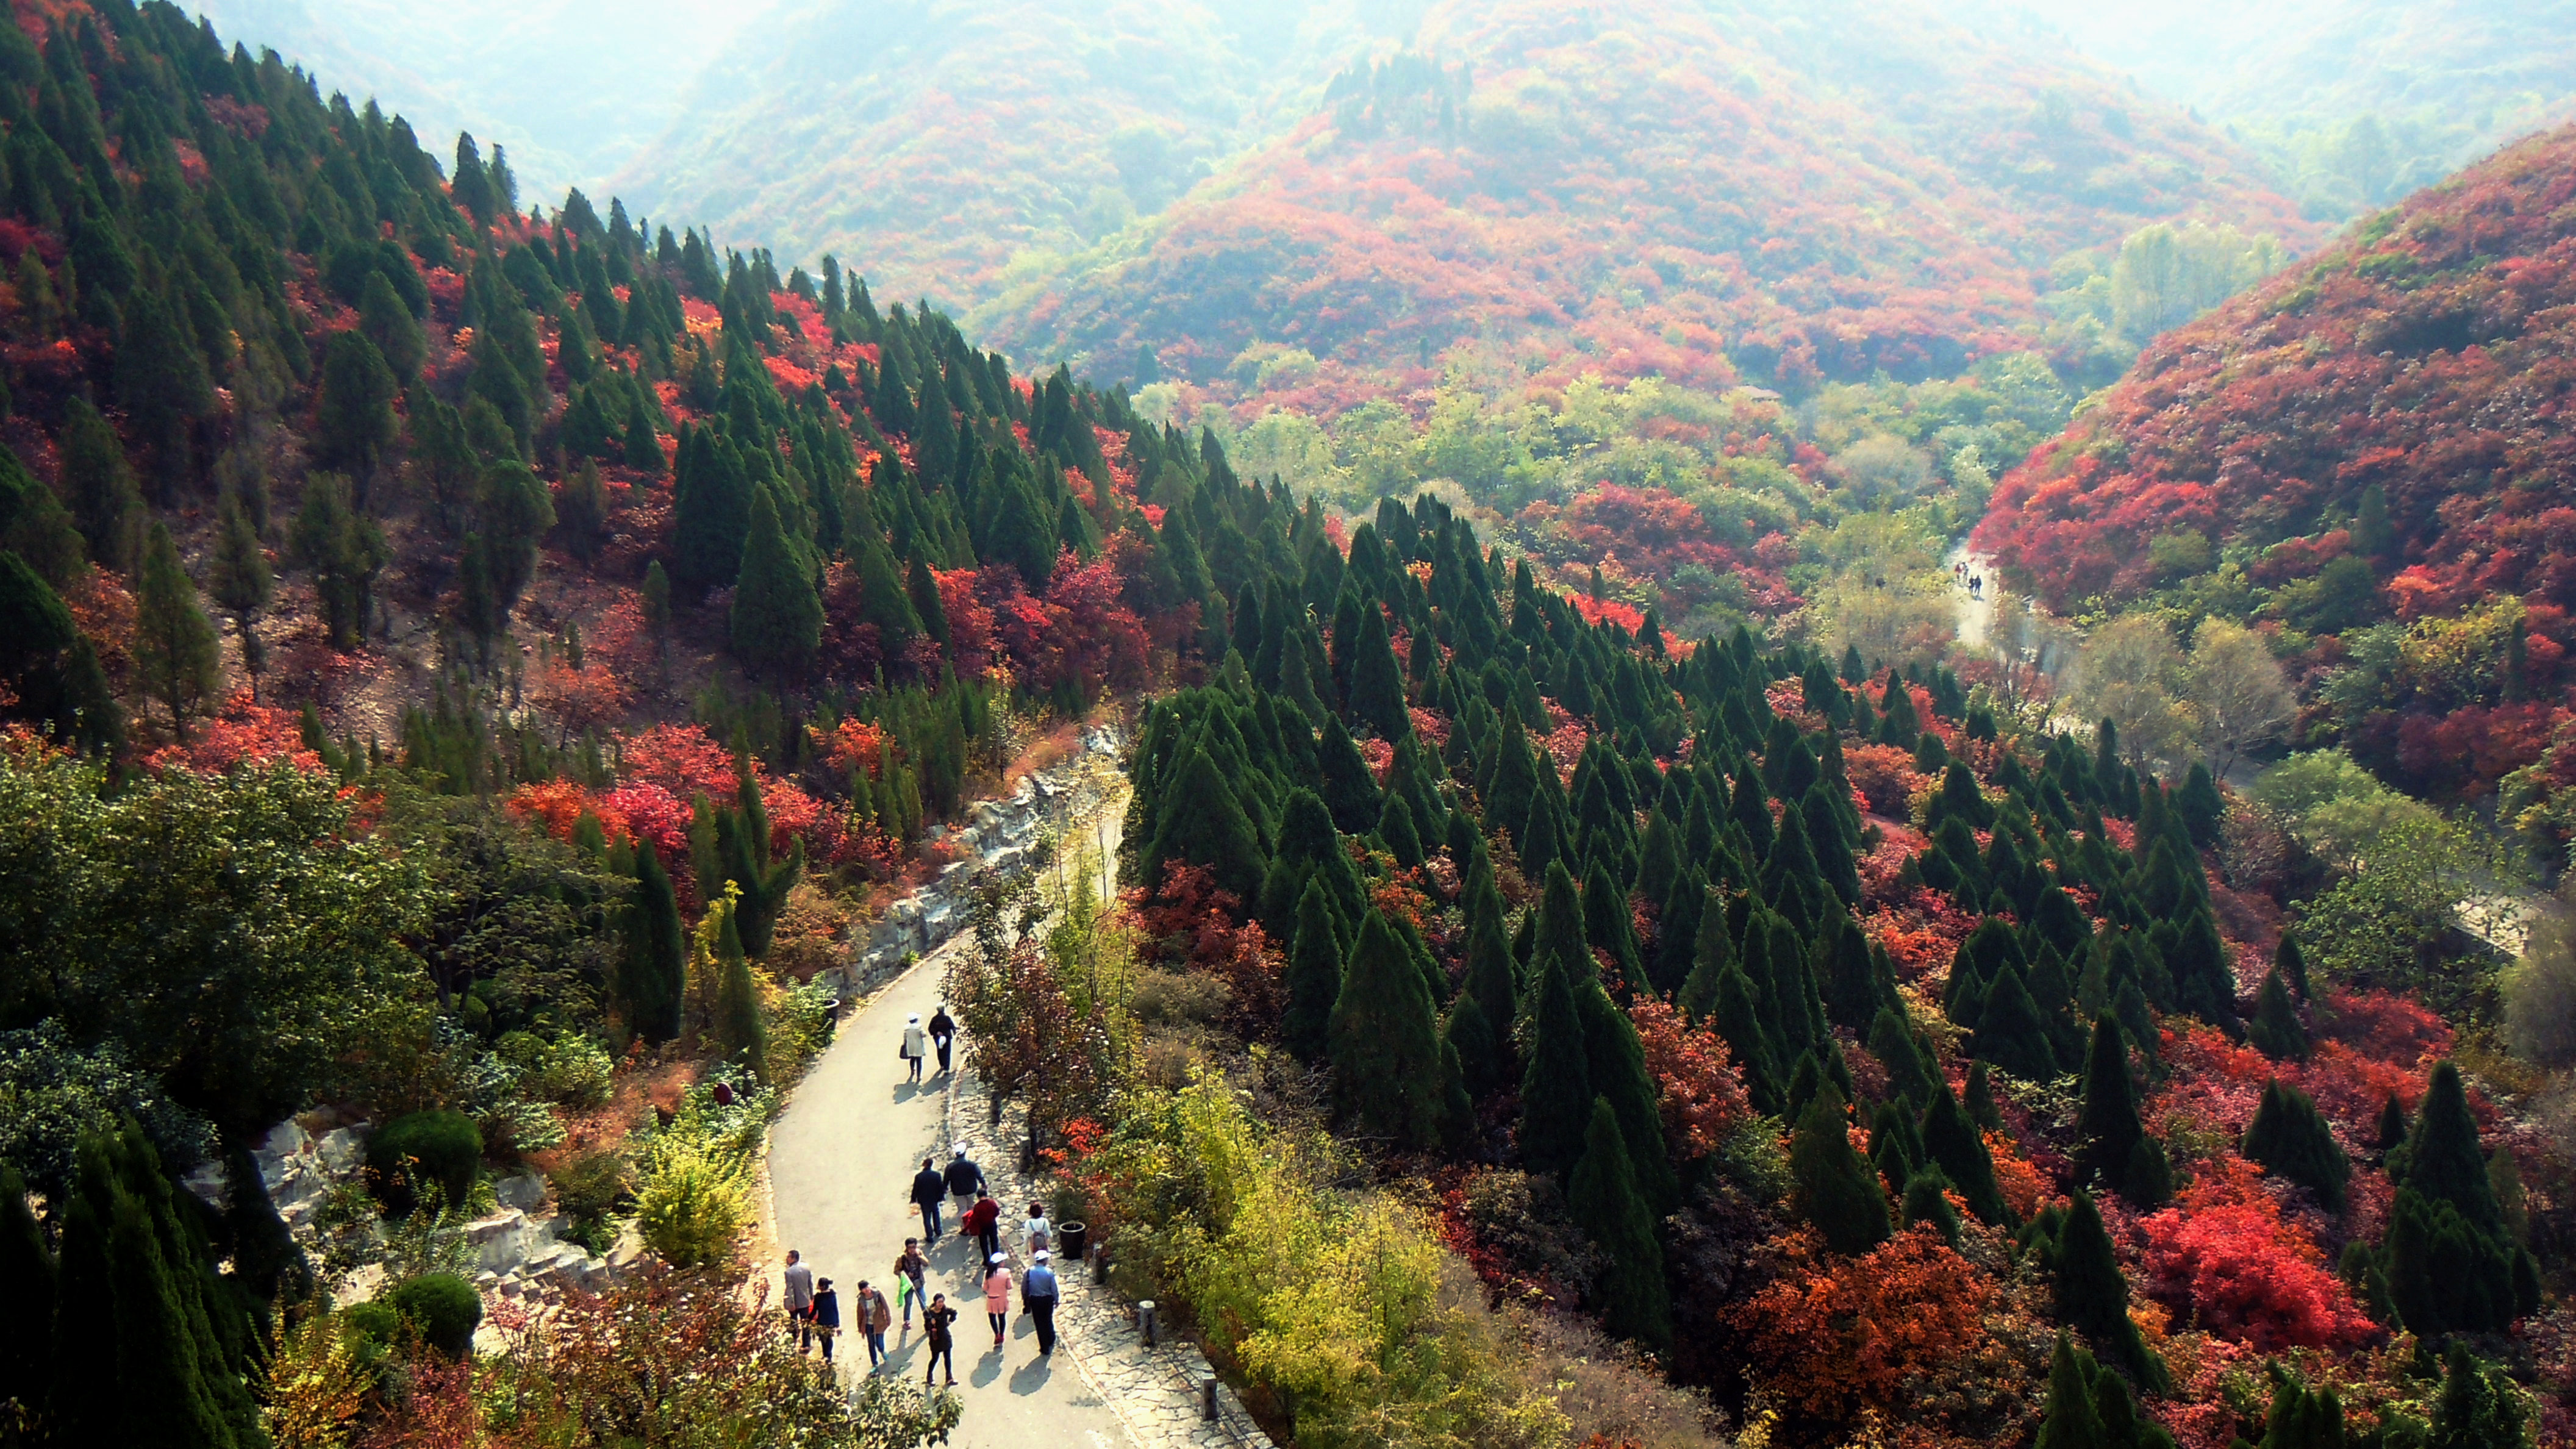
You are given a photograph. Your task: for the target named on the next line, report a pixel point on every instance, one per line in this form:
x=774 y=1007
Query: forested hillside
x=2365 y=459
x=2351 y=103
x=1643 y=190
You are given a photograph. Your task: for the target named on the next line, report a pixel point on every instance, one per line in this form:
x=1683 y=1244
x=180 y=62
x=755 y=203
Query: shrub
x=590 y=1188
x=692 y=1210
x=442 y=1308
x=440 y=1148
x=575 y=1071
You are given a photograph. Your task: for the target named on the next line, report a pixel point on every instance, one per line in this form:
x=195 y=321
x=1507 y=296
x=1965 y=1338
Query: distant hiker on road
x=984 y=1220
x=997 y=1295
x=908 y=1271
x=1041 y=1233
x=874 y=1318
x=927 y=1188
x=800 y=1300
x=943 y=1034
x=826 y=1315
x=934 y=1322
x=914 y=1044
x=1038 y=1295
x=965 y=1180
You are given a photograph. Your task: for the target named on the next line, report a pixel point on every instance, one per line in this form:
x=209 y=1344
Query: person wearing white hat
x=915 y=1044
x=997 y=1296
x=1038 y=1294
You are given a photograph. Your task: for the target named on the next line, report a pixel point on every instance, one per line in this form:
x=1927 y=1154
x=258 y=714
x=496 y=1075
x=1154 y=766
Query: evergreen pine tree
x=1712 y=952
x=2292 y=963
x=355 y=423
x=2392 y=1125
x=1314 y=975
x=2479 y=1406
x=2289 y=1136
x=2010 y=1032
x=2204 y=981
x=1604 y=1200
x=922 y=587
x=2070 y=1422
x=1615 y=1060
x=1491 y=977
x=1468 y=1035
x=2093 y=1297
x=1395 y=827
x=240 y=581
x=1205 y=825
x=2301 y=1417
x=174 y=647
x=2108 y=1128
x=738 y=1029
x=1836 y=1190
x=1349 y=790
x=2441 y=1159
x=1891 y=1040
x=777 y=621
x=1385 y=1041
x=1927 y=1200
x=2202 y=808
x=99 y=487
x=1556 y=1082
x=2276 y=1031
x=653 y=976
x=1377 y=685
x=1956 y=1147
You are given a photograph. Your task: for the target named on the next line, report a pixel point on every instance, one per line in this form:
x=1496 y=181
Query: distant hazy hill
x=574 y=88
x=2357 y=102
x=1813 y=191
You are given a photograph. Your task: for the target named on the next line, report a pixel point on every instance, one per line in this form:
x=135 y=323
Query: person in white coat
x=916 y=1044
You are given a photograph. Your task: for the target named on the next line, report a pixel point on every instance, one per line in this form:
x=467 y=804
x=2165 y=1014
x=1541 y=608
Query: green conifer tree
x=2288 y=1136
x=1956 y=1147
x=2093 y=1298
x=355 y=421
x=1835 y=1189
x=2479 y=1406
x=777 y=621
x=652 y=977
x=174 y=648
x=2276 y=1030
x=1604 y=1200
x=1204 y=823
x=1385 y=1041
x=1556 y=1082
x=1377 y=684
x=1314 y=975
x=738 y=1029
x=2010 y=1031
x=1491 y=977
x=2108 y=1129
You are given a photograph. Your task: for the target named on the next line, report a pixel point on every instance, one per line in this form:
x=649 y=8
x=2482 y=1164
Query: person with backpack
x=1040 y=1232
x=935 y=1321
x=825 y=1315
x=1038 y=1295
x=943 y=1034
x=928 y=1187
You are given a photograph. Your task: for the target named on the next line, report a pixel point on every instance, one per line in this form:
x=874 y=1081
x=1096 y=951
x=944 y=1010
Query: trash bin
x=1075 y=1235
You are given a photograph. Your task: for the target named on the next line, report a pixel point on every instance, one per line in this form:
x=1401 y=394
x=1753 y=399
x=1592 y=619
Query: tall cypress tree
x=777 y=621
x=2109 y=1128
x=1491 y=978
x=1377 y=685
x=1205 y=825
x=1960 y=1152
x=1385 y=1041
x=2276 y=1031
x=1314 y=975
x=738 y=1028
x=2289 y=1136
x=653 y=976
x=1836 y=1189
x=2093 y=1297
x=1604 y=1200
x=174 y=647
x=1556 y=1081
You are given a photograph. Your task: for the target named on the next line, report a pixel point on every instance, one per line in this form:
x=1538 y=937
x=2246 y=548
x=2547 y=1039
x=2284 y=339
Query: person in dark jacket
x=965 y=1179
x=943 y=1034
x=825 y=1316
x=927 y=1189
x=935 y=1321
x=984 y=1221
x=874 y=1319
x=1038 y=1295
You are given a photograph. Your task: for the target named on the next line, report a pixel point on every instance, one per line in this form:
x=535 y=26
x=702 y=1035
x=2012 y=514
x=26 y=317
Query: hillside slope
x=2379 y=437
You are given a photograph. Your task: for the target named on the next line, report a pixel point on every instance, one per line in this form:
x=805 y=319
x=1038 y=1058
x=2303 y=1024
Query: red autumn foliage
x=1832 y=1335
x=1199 y=928
x=1697 y=1089
x=241 y=733
x=2224 y=1256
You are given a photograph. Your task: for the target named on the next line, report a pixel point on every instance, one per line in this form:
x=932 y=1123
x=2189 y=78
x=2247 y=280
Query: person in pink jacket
x=997 y=1296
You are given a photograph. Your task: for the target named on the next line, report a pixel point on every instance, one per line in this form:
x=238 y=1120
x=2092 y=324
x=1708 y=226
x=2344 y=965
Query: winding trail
x=1975 y=611
x=841 y=1162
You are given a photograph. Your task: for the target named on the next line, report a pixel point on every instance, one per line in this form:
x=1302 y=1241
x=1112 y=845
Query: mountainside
x=573 y=89
x=2368 y=448
x=1683 y=190
x=2354 y=102
x=942 y=141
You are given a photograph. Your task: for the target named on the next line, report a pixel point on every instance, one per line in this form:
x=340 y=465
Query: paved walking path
x=841 y=1162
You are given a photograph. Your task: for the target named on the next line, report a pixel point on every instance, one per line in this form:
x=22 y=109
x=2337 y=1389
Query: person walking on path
x=800 y=1300
x=943 y=1034
x=915 y=1045
x=965 y=1180
x=997 y=1296
x=927 y=1189
x=935 y=1321
x=874 y=1318
x=984 y=1220
x=908 y=1272
x=825 y=1315
x=1040 y=1232
x=1038 y=1295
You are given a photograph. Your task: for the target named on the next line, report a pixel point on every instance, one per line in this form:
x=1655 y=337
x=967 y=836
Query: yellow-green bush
x=693 y=1209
